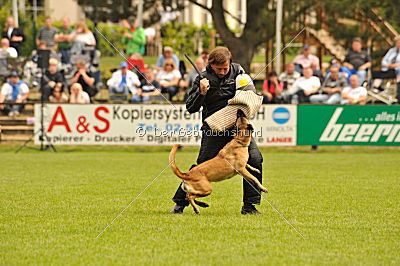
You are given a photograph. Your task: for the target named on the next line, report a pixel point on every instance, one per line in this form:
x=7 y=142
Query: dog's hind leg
x=253 y=169
x=246 y=174
x=190 y=198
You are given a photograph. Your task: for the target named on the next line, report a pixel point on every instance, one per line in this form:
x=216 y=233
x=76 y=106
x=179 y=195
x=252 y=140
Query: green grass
x=52 y=205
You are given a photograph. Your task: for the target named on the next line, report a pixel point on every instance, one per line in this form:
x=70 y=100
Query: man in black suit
x=14 y=35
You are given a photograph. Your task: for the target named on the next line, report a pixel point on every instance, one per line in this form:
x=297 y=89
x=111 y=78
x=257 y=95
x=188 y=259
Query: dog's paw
x=264 y=189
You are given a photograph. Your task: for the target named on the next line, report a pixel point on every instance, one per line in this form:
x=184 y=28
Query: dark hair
x=219 y=55
x=272 y=74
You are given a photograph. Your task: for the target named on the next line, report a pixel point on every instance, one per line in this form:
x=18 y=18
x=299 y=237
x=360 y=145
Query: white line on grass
x=127 y=206
x=273 y=207
x=112 y=45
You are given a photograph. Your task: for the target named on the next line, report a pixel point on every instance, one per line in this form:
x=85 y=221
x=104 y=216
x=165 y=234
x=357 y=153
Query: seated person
x=137 y=61
x=13 y=91
x=167 y=54
x=169 y=78
x=289 y=76
x=187 y=83
x=355 y=94
x=51 y=79
x=123 y=81
x=58 y=96
x=272 y=88
x=149 y=87
x=6 y=52
x=306 y=86
x=357 y=61
x=78 y=95
x=85 y=78
x=331 y=88
x=305 y=60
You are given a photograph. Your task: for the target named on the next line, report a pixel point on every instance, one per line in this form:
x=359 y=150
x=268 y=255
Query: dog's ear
x=240 y=113
x=250 y=127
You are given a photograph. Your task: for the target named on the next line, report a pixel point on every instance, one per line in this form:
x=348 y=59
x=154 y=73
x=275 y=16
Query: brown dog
x=231 y=160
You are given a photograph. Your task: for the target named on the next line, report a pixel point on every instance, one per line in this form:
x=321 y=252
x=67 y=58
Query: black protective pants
x=210 y=146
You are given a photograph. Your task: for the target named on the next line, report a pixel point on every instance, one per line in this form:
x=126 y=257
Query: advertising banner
x=348 y=125
x=153 y=124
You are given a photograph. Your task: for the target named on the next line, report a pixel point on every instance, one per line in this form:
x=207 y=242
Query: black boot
x=178 y=209
x=249 y=208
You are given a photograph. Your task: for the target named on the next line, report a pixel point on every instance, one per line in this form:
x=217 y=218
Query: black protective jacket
x=221 y=90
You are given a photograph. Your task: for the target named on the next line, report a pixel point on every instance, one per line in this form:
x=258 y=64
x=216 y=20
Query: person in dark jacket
x=212 y=93
x=51 y=80
x=14 y=35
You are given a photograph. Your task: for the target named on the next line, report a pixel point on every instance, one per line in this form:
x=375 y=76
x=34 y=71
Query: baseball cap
x=306 y=46
x=13 y=74
x=244 y=81
x=123 y=64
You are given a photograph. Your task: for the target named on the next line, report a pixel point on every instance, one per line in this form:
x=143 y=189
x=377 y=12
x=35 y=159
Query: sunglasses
x=169 y=65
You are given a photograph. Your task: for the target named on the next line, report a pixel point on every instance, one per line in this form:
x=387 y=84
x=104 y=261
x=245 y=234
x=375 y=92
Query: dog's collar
x=241 y=143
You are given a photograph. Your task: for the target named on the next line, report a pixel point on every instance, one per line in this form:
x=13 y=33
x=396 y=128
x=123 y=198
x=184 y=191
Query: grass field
x=52 y=205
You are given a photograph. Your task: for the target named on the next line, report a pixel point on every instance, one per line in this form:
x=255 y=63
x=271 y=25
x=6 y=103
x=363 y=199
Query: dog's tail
x=174 y=168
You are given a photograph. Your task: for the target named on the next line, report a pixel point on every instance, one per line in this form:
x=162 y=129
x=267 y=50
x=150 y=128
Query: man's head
x=334 y=71
x=204 y=55
x=397 y=42
x=307 y=72
x=5 y=43
x=124 y=67
x=306 y=50
x=289 y=68
x=354 y=81
x=53 y=63
x=168 y=52
x=13 y=78
x=66 y=23
x=42 y=45
x=81 y=65
x=149 y=74
x=220 y=60
x=48 y=22
x=10 y=22
x=200 y=63
x=357 y=44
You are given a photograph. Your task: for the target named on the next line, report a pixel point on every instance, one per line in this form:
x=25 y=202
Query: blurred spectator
x=272 y=88
x=355 y=94
x=78 y=95
x=134 y=37
x=187 y=83
x=306 y=86
x=13 y=34
x=149 y=87
x=168 y=53
x=47 y=34
x=136 y=61
x=13 y=91
x=64 y=41
x=6 y=52
x=289 y=77
x=204 y=56
x=390 y=68
x=169 y=78
x=82 y=39
x=305 y=60
x=58 y=96
x=150 y=34
x=331 y=88
x=51 y=80
x=123 y=81
x=357 y=61
x=84 y=78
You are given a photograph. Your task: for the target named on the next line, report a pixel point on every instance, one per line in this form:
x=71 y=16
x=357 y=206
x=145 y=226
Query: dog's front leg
x=246 y=174
x=190 y=198
x=253 y=168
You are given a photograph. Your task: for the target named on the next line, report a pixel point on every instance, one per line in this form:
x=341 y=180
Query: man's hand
x=204 y=86
x=51 y=84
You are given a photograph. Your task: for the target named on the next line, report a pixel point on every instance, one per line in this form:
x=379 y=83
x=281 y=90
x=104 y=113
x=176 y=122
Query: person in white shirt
x=306 y=86
x=169 y=78
x=78 y=95
x=123 y=80
x=5 y=46
x=355 y=94
x=15 y=90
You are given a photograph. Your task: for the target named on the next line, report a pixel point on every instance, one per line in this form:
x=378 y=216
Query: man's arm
x=196 y=98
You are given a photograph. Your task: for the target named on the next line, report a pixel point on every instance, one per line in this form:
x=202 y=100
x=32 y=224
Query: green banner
x=348 y=125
